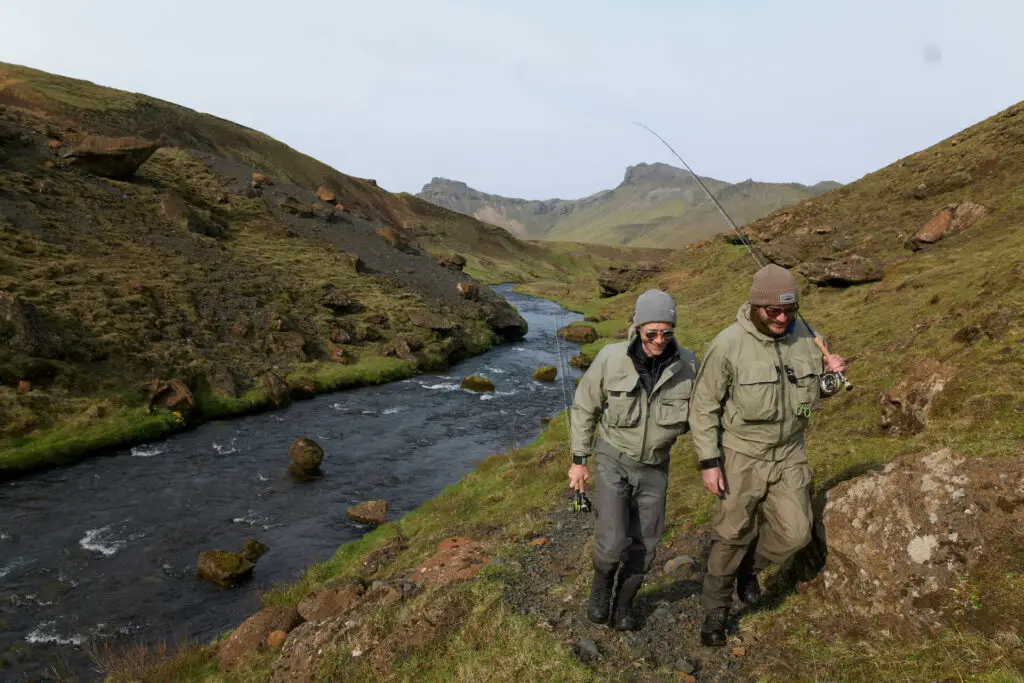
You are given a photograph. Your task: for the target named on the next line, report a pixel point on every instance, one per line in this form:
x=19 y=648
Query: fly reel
x=832 y=382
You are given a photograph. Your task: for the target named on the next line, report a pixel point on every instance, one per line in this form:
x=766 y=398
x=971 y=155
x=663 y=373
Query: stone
x=116 y=158
x=293 y=206
x=24 y=386
x=340 y=335
x=222 y=568
x=904 y=542
x=393 y=237
x=505 y=320
x=276 y=389
x=337 y=354
x=907 y=406
x=326 y=194
x=967 y=214
x=253 y=550
x=476 y=383
x=457 y=559
x=379 y=558
x=454 y=261
x=467 y=290
x=184 y=216
x=545 y=373
x=935 y=228
x=336 y=300
x=677 y=563
x=616 y=280
x=258 y=180
x=332 y=600
x=220 y=382
x=580 y=361
x=846 y=271
x=170 y=395
x=275 y=639
x=352 y=261
x=586 y=650
x=306 y=454
x=23 y=330
x=255 y=633
x=431 y=320
x=785 y=251
x=369 y=512
x=579 y=334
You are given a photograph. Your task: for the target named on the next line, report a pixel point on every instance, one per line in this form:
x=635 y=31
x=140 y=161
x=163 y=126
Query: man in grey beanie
x=636 y=396
x=758 y=384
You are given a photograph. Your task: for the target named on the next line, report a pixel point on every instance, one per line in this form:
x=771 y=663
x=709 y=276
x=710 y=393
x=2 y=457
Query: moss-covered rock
x=222 y=568
x=579 y=334
x=306 y=454
x=545 y=373
x=477 y=383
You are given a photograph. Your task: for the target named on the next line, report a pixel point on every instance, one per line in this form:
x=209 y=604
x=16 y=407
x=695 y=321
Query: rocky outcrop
x=785 y=251
x=850 y=270
x=579 y=334
x=117 y=158
x=23 y=330
x=947 y=221
x=332 y=600
x=306 y=454
x=545 y=373
x=457 y=559
x=616 y=280
x=326 y=194
x=903 y=542
x=293 y=206
x=476 y=383
x=467 y=290
x=336 y=300
x=252 y=635
x=181 y=214
x=505 y=320
x=276 y=389
x=369 y=512
x=432 y=321
x=453 y=261
x=253 y=550
x=170 y=395
x=907 y=407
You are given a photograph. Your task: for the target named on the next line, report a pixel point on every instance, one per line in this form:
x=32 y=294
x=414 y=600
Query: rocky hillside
x=655 y=205
x=915 y=274
x=160 y=266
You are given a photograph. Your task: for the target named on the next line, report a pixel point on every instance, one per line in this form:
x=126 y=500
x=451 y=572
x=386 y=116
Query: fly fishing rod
x=831 y=382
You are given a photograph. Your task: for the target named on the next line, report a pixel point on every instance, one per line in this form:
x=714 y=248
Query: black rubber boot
x=748 y=589
x=600 y=596
x=622 y=616
x=712 y=632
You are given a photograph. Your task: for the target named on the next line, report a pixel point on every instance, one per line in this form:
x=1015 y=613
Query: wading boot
x=712 y=631
x=600 y=596
x=622 y=615
x=748 y=589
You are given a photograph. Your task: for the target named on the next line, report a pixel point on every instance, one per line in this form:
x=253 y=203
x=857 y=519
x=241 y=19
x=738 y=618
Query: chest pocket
x=808 y=388
x=755 y=391
x=623 y=401
x=672 y=405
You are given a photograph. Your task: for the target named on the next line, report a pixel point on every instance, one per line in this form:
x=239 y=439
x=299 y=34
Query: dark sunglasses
x=774 y=311
x=651 y=335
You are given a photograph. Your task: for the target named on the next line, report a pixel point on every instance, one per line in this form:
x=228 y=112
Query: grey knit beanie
x=773 y=286
x=654 y=306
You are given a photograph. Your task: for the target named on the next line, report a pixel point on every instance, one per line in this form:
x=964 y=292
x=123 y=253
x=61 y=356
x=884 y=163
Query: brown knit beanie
x=773 y=286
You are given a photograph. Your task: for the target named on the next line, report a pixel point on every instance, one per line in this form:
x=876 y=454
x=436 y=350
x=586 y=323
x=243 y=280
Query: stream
x=104 y=551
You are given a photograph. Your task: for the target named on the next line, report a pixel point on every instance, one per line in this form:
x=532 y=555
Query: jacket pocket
x=755 y=392
x=623 y=401
x=808 y=381
x=672 y=408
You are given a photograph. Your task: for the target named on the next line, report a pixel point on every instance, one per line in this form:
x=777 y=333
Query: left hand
x=834 y=363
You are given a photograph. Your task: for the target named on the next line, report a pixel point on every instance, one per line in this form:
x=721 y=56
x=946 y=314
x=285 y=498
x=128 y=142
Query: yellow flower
x=178 y=417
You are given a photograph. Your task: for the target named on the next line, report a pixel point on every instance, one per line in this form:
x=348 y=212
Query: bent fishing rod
x=831 y=382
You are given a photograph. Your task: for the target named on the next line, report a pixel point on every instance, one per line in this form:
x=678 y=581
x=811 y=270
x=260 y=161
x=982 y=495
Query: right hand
x=577 y=475
x=714 y=480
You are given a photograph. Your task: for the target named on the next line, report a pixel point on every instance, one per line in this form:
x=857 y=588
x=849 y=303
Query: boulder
x=117 y=158
x=332 y=600
x=907 y=407
x=253 y=634
x=967 y=214
x=505 y=320
x=170 y=395
x=849 y=270
x=369 y=512
x=947 y=221
x=181 y=214
x=477 y=383
x=457 y=559
x=433 y=321
x=903 y=543
x=380 y=557
x=579 y=334
x=258 y=180
x=326 y=194
x=275 y=639
x=352 y=261
x=293 y=206
x=306 y=454
x=253 y=550
x=24 y=386
x=784 y=251
x=275 y=388
x=339 y=335
x=467 y=290
x=935 y=228
x=615 y=280
x=336 y=300
x=453 y=261
x=23 y=330
x=220 y=382
x=394 y=238
x=222 y=568
x=337 y=354
x=580 y=361
x=545 y=373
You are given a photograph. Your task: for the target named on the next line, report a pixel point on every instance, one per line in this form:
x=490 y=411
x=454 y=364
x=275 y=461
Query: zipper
x=782 y=393
x=647 y=417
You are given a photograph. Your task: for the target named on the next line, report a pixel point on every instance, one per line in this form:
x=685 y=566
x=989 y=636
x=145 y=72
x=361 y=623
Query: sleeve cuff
x=579 y=460
x=710 y=463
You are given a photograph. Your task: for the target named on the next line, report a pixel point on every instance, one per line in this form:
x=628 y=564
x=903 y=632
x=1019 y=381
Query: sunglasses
x=651 y=335
x=775 y=311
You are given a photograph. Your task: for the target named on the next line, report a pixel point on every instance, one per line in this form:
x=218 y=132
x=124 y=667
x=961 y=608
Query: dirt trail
x=551 y=585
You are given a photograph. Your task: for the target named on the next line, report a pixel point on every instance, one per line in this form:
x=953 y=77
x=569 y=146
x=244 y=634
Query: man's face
x=775 y=319
x=655 y=338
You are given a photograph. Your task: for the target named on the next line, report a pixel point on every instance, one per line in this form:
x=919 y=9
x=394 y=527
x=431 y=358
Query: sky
x=537 y=99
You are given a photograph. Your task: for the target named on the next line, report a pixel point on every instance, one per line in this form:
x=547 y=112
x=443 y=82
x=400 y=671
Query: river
x=105 y=550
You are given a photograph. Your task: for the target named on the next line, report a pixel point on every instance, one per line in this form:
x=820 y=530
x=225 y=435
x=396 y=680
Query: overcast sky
x=535 y=98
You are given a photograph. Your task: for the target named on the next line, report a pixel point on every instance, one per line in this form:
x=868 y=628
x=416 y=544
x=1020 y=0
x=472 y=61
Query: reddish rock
x=258 y=180
x=332 y=600
x=369 y=512
x=453 y=261
x=55 y=144
x=340 y=335
x=849 y=270
x=24 y=386
x=467 y=290
x=117 y=158
x=326 y=194
x=935 y=228
x=275 y=640
x=337 y=354
x=255 y=633
x=457 y=559
x=171 y=395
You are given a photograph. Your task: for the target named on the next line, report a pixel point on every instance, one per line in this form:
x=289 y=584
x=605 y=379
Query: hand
x=714 y=480
x=834 y=363
x=577 y=475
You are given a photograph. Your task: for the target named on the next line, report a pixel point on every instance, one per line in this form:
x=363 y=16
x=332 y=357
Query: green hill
x=655 y=205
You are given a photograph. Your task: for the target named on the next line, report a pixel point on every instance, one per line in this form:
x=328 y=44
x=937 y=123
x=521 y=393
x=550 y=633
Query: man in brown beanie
x=758 y=383
x=635 y=397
